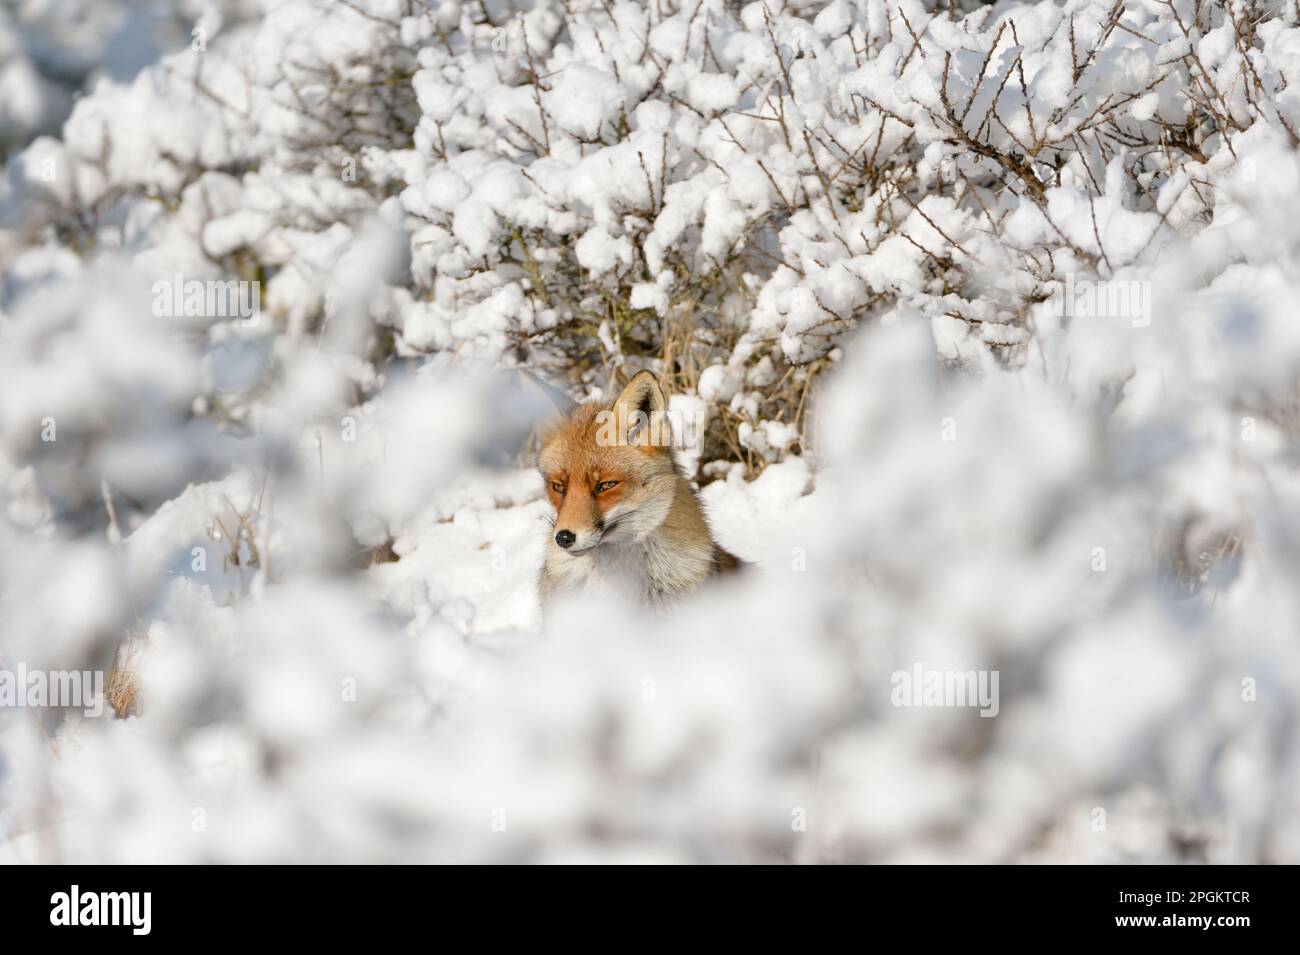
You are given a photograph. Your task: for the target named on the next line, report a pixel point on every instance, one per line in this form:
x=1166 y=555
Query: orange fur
x=636 y=524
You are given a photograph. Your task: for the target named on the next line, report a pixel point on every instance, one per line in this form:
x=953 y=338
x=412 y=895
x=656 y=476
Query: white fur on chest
x=619 y=569
x=649 y=569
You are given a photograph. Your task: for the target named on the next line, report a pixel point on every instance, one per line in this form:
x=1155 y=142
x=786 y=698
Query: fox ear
x=640 y=408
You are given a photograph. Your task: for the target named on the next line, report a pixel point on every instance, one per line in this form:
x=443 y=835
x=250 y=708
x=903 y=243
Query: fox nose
x=565 y=538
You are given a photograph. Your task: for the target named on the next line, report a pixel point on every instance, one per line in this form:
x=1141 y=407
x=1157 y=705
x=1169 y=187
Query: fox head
x=609 y=469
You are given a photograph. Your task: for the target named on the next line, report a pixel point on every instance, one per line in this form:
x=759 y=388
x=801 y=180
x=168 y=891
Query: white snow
x=315 y=538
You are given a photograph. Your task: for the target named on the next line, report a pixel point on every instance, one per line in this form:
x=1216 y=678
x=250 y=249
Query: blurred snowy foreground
x=990 y=312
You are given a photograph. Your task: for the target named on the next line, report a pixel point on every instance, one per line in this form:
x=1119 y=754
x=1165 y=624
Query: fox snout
x=577 y=542
x=579 y=521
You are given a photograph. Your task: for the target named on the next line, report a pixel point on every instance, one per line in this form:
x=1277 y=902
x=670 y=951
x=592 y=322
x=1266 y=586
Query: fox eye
x=604 y=486
x=557 y=487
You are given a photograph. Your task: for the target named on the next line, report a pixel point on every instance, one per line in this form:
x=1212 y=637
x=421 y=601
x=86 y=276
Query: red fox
x=626 y=520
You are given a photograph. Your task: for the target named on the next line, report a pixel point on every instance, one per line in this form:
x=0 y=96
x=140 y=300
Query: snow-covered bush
x=987 y=308
x=51 y=51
